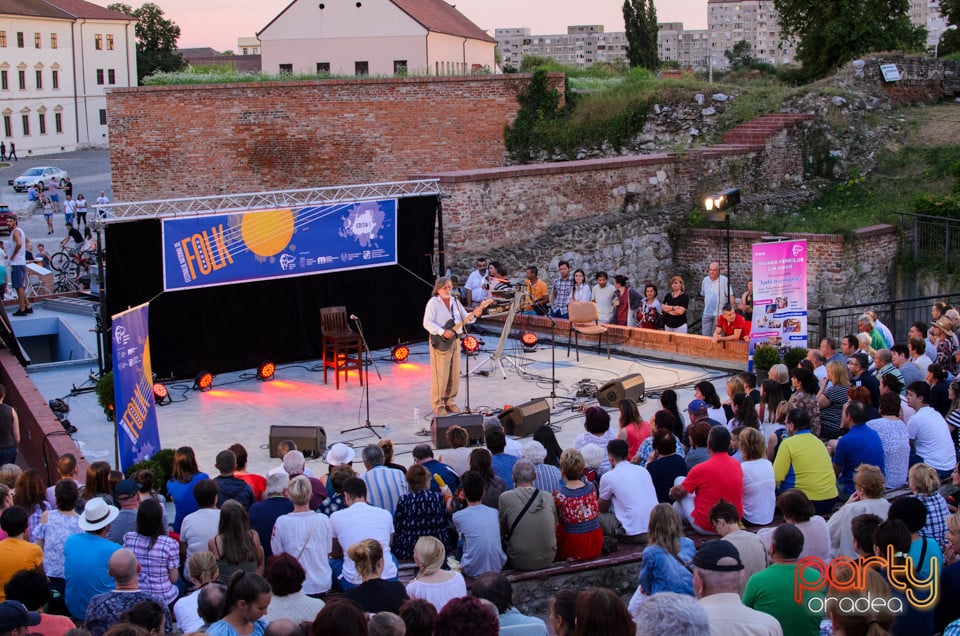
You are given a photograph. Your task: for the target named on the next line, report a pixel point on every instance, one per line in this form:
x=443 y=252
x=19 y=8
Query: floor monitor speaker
x=629 y=386
x=310 y=440
x=525 y=419
x=473 y=422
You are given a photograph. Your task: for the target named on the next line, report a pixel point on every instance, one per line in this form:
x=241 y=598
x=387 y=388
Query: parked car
x=7 y=217
x=40 y=173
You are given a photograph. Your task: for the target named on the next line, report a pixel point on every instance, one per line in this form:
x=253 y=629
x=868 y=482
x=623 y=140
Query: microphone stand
x=553 y=361
x=365 y=368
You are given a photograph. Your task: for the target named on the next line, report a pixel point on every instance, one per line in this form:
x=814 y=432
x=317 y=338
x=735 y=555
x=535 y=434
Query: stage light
x=203 y=381
x=266 y=370
x=160 y=394
x=400 y=353
x=722 y=200
x=529 y=340
x=471 y=344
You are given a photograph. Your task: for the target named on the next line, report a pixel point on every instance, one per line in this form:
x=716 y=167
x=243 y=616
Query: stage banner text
x=779 y=295
x=247 y=246
x=135 y=409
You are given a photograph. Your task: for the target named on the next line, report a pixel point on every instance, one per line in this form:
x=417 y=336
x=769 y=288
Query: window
x=58 y=122
x=361 y=69
x=42 y=117
x=22 y=77
x=98 y=42
x=4 y=83
x=36 y=40
x=111 y=76
x=399 y=67
x=3 y=39
x=26 y=124
x=245 y=51
x=39 y=79
x=323 y=68
x=103 y=116
x=286 y=69
x=99 y=77
x=56 y=78
x=109 y=41
x=7 y=126
x=19 y=39
x=53 y=40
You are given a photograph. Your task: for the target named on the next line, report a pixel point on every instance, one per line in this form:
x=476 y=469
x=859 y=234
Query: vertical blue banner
x=136 y=411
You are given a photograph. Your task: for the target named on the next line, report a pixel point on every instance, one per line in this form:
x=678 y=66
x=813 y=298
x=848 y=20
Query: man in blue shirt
x=502 y=462
x=859 y=445
x=86 y=556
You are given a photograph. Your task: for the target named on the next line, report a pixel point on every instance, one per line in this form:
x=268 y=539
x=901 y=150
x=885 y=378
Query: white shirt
x=630 y=489
x=715 y=294
x=841 y=531
x=306 y=537
x=603 y=296
x=356 y=523
x=20 y=258
x=436 y=314
x=102 y=200
x=475 y=285
x=198 y=528
x=923 y=362
x=931 y=439
x=820 y=372
x=69 y=206
x=438 y=594
x=759 y=491
x=730 y=617
x=185 y=611
x=513 y=447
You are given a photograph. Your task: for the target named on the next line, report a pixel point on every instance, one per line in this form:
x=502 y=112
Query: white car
x=40 y=173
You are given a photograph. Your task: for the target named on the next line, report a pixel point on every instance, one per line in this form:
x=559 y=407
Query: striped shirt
x=385 y=486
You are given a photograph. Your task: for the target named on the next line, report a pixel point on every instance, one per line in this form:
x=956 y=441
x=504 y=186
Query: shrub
x=793 y=356
x=105 y=395
x=764 y=357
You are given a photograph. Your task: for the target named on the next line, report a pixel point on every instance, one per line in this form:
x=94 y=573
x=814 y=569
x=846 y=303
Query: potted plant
x=793 y=356
x=764 y=357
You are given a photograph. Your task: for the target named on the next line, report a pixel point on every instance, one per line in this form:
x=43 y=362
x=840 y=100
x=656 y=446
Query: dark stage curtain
x=234 y=327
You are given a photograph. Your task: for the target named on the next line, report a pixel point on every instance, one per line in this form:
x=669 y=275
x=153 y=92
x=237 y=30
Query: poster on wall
x=779 y=295
x=242 y=247
x=138 y=435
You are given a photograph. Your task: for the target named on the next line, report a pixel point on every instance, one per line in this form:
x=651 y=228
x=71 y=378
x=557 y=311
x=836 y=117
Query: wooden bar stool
x=342 y=347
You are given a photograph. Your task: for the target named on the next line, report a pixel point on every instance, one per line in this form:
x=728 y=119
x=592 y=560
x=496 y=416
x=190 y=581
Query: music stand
x=497 y=358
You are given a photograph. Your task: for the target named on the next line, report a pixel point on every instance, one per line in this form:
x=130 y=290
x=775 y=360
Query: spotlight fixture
x=160 y=394
x=471 y=344
x=203 y=381
x=400 y=353
x=723 y=200
x=529 y=340
x=266 y=371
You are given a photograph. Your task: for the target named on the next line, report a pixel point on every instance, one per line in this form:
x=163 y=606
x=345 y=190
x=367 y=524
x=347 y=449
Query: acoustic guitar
x=443 y=344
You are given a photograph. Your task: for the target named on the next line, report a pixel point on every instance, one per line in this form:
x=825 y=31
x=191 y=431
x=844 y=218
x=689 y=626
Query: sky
x=218 y=23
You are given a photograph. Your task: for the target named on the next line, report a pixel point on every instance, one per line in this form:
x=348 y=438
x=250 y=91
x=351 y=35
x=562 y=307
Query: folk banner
x=138 y=435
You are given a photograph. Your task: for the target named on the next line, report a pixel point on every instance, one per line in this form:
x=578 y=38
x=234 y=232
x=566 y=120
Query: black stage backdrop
x=234 y=327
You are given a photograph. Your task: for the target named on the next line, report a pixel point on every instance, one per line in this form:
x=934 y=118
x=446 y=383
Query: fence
x=933 y=241
x=836 y=322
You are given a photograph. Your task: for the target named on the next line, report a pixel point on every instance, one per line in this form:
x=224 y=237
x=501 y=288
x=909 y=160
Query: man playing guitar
x=444 y=318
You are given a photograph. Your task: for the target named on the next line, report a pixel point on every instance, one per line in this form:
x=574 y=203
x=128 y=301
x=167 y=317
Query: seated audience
x=478 y=526
x=359 y=521
x=923 y=550
x=202 y=525
x=674 y=614
x=753 y=553
x=867 y=498
x=457 y=457
x=295 y=465
x=949 y=611
x=202 y=571
x=803 y=462
x=257 y=483
x=338 y=475
x=373 y=594
x=579 y=535
x=665 y=559
x=420 y=512
x=68 y=471
x=385 y=486
x=925 y=485
x=306 y=536
x=705 y=484
x=697 y=433
x=665 y=464
x=528 y=519
x=597 y=431
x=467 y=616
x=275 y=503
x=248 y=597
x=286 y=577
x=186 y=475
x=32 y=588
x=798 y=510
x=86 y=556
x=600 y=611
x=236 y=546
x=56 y=526
x=860 y=444
x=496 y=588
x=892 y=541
x=929 y=433
x=501 y=462
x=105 y=609
x=419 y=616
x=548 y=476
x=563 y=612
x=759 y=483
x=663 y=420
x=386 y=444
x=127 y=495
x=894 y=438
x=633 y=428
x=230 y=486
x=157 y=554
x=432 y=583
x=493 y=486
x=626 y=496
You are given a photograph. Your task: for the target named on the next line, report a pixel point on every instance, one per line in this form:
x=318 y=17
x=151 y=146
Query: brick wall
x=194 y=140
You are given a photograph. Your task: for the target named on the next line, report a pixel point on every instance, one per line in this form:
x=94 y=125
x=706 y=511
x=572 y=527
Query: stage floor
x=242 y=410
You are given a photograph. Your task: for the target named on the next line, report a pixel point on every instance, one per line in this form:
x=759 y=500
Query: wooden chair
x=584 y=319
x=342 y=347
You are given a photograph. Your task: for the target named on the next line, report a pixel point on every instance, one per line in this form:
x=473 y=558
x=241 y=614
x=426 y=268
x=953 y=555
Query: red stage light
x=160 y=394
x=471 y=344
x=400 y=353
x=529 y=339
x=203 y=381
x=266 y=371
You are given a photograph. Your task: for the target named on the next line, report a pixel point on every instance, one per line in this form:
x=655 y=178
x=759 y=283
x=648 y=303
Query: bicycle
x=66 y=283
x=35 y=288
x=72 y=262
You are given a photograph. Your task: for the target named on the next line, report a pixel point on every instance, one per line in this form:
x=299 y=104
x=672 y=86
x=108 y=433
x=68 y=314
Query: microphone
x=455 y=293
x=353 y=317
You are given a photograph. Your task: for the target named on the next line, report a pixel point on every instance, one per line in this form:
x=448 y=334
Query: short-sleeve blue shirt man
x=860 y=445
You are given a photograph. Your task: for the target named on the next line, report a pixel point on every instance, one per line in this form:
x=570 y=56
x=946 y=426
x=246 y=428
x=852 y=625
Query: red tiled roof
x=32 y=8
x=85 y=10
x=440 y=17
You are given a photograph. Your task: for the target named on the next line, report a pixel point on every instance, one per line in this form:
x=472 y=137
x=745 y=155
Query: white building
x=248 y=46
x=926 y=13
x=375 y=37
x=57 y=60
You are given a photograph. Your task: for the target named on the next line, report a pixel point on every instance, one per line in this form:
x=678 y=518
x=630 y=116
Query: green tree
x=739 y=56
x=530 y=63
x=830 y=33
x=156 y=40
x=950 y=40
x=539 y=104
x=640 y=24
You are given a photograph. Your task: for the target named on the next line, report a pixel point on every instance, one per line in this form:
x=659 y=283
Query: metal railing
x=836 y=322
x=932 y=240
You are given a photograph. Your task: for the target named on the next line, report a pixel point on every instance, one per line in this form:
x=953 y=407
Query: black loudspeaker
x=470 y=421
x=629 y=386
x=310 y=440
x=523 y=420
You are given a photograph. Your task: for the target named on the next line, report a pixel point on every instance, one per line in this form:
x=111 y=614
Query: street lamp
x=717 y=205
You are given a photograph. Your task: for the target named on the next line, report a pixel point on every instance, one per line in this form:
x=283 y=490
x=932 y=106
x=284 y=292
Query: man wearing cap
x=231 y=486
x=86 y=555
x=720 y=477
x=127 y=496
x=105 y=609
x=16 y=553
x=716 y=580
x=385 y=485
x=627 y=495
x=423 y=455
x=15 y=618
x=772 y=590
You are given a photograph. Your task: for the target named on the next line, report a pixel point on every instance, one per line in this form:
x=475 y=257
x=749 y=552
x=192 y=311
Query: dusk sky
x=218 y=23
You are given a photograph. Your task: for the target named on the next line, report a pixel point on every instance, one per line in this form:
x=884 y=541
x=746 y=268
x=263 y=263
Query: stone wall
x=195 y=140
x=923 y=79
